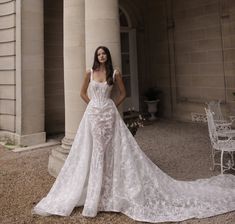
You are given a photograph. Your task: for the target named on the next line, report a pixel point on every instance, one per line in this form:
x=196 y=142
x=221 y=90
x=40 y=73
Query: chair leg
x=232 y=156
x=213 y=158
x=221 y=161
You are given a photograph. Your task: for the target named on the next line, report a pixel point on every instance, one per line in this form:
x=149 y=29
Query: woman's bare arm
x=83 y=92
x=121 y=87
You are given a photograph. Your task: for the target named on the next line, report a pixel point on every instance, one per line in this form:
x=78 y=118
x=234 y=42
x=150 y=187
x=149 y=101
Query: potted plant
x=152 y=99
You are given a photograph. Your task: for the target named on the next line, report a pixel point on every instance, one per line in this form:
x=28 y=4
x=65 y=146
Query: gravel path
x=182 y=150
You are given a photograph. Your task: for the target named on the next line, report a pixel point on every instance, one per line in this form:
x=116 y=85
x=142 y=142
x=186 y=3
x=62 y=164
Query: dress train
x=107 y=171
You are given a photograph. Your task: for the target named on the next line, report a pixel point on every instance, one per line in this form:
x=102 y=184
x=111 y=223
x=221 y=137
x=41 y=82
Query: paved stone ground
x=182 y=150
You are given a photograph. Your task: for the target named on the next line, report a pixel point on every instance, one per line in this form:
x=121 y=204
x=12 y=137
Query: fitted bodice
x=99 y=92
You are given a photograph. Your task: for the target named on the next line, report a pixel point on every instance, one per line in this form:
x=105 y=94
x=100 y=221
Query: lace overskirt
x=107 y=171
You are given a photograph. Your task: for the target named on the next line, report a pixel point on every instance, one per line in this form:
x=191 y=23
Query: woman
x=107 y=171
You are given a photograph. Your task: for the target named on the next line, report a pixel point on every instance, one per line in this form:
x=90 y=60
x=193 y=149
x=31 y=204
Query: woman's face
x=102 y=56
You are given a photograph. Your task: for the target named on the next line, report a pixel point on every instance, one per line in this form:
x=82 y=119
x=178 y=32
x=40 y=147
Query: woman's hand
x=83 y=92
x=121 y=87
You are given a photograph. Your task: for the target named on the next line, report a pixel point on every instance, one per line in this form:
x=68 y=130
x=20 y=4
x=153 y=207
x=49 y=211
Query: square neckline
x=92 y=78
x=98 y=81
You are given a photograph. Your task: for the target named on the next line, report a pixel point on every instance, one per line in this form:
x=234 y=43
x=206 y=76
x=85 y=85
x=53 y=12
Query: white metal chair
x=223 y=126
x=215 y=107
x=222 y=146
x=232 y=118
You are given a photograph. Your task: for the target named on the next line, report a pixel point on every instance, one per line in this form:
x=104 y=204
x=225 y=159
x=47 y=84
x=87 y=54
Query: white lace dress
x=107 y=171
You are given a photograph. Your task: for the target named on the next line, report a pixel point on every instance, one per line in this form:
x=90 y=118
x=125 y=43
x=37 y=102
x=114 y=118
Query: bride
x=107 y=171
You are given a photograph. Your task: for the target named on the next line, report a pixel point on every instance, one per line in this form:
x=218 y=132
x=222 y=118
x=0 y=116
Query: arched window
x=129 y=60
x=123 y=19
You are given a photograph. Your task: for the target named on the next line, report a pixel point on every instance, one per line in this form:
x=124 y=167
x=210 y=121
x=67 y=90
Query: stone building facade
x=184 y=47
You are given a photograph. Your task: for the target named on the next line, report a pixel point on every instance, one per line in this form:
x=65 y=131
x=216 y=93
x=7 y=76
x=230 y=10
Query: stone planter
x=152 y=108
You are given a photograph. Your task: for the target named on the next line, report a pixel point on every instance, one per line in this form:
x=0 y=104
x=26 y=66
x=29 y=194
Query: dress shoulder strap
x=114 y=72
x=91 y=76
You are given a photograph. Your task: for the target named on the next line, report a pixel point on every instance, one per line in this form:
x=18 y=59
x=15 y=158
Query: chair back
x=215 y=108
x=211 y=127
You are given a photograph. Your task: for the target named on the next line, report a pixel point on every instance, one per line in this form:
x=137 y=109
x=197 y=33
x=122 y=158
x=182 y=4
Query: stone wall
x=228 y=32
x=21 y=72
x=204 y=55
x=7 y=65
x=158 y=53
x=191 y=45
x=198 y=53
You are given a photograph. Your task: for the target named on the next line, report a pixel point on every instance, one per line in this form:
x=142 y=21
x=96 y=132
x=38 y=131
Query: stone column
x=29 y=73
x=74 y=68
x=102 y=28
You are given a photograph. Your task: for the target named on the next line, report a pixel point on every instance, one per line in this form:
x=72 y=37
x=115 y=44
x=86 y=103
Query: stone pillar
x=74 y=68
x=102 y=28
x=29 y=73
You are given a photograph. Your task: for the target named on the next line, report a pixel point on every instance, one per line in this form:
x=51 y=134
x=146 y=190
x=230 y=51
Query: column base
x=58 y=157
x=56 y=161
x=23 y=140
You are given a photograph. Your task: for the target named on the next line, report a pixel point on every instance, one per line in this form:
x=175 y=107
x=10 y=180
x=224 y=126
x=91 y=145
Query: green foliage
x=134 y=121
x=152 y=93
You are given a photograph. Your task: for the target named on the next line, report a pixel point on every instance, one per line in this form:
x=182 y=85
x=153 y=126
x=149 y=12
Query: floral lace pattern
x=107 y=171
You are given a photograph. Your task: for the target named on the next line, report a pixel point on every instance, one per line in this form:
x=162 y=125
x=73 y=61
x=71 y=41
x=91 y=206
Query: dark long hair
x=108 y=64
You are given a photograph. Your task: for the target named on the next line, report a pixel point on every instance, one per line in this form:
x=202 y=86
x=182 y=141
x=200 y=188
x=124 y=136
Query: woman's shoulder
x=88 y=73
x=88 y=70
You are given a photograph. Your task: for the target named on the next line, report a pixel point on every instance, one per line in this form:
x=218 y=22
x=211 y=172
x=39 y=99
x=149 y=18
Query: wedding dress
x=107 y=171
